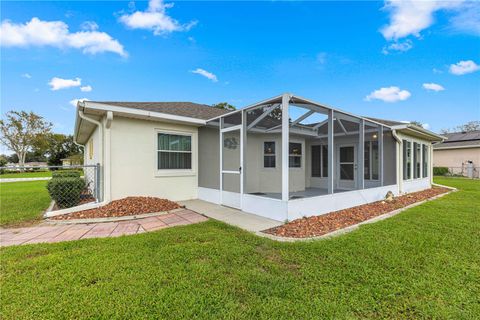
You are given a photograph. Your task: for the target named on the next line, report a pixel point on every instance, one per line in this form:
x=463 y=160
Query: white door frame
x=239 y=171
x=337 y=165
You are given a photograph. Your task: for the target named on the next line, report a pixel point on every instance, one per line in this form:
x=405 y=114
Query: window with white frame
x=269 y=159
x=174 y=151
x=416 y=160
x=425 y=160
x=294 y=155
x=371 y=158
x=320 y=161
x=407 y=159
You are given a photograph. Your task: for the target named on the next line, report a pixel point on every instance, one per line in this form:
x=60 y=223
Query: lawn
x=423 y=263
x=22 y=202
x=32 y=174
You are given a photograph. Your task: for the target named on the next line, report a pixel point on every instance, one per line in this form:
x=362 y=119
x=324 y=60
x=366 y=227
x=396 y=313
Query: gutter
x=100 y=128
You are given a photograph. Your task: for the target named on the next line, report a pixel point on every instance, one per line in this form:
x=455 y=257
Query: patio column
x=380 y=153
x=361 y=155
x=220 y=124
x=330 y=145
x=244 y=151
x=285 y=145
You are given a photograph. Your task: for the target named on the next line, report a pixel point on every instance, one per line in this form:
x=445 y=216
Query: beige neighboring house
x=73 y=160
x=282 y=158
x=460 y=153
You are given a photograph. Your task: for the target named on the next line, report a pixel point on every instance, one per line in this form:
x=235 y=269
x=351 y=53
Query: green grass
x=22 y=202
x=33 y=174
x=423 y=263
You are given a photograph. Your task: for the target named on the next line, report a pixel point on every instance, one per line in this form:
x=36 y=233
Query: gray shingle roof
x=185 y=109
x=460 y=139
x=463 y=136
x=457 y=144
x=386 y=122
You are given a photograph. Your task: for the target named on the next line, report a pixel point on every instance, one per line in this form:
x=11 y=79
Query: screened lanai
x=289 y=149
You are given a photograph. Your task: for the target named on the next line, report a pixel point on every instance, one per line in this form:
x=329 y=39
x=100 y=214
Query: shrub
x=66 y=191
x=440 y=171
x=66 y=174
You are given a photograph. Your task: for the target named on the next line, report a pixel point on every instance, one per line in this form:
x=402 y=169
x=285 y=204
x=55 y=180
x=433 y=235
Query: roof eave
x=419 y=130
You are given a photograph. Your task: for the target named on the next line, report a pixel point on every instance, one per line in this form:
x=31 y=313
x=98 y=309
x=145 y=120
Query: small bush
x=66 y=191
x=440 y=171
x=66 y=174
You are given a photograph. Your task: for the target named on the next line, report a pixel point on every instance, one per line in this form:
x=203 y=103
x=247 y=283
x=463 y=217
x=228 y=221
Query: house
x=460 y=153
x=73 y=160
x=281 y=158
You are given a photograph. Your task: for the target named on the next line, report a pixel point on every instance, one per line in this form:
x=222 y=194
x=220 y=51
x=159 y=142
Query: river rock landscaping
x=320 y=225
x=129 y=206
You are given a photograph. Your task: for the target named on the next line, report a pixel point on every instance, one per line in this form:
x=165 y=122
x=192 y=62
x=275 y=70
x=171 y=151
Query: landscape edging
x=354 y=226
x=113 y=219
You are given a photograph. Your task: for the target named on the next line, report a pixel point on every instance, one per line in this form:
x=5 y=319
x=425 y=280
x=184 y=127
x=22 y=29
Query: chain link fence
x=68 y=186
x=465 y=171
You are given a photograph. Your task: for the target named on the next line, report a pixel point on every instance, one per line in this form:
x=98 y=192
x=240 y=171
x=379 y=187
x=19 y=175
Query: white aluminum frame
x=239 y=172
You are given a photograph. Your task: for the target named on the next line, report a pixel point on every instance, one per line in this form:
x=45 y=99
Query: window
x=269 y=154
x=416 y=160
x=295 y=155
x=407 y=159
x=174 y=151
x=425 y=160
x=371 y=160
x=320 y=161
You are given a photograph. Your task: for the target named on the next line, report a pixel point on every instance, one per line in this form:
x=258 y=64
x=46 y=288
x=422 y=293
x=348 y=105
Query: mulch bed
x=129 y=206
x=323 y=224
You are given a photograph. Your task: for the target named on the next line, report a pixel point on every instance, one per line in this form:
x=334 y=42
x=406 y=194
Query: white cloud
x=464 y=67
x=206 y=74
x=437 y=71
x=425 y=126
x=155 y=18
x=89 y=26
x=86 y=88
x=467 y=19
x=56 y=34
x=433 y=87
x=75 y=101
x=59 y=83
x=410 y=17
x=27 y=75
x=389 y=94
x=398 y=46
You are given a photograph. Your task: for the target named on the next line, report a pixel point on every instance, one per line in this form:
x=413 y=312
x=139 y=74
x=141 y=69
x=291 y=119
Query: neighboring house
x=460 y=153
x=73 y=160
x=281 y=158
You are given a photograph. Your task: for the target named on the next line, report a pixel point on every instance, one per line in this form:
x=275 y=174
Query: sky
x=398 y=60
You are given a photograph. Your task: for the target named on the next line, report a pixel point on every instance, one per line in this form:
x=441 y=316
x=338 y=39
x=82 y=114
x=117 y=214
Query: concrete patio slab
x=238 y=218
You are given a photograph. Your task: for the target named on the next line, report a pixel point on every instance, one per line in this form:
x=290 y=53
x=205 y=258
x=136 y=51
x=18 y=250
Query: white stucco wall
x=134 y=161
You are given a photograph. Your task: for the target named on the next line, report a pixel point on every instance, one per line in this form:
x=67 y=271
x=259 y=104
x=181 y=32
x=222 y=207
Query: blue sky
x=385 y=59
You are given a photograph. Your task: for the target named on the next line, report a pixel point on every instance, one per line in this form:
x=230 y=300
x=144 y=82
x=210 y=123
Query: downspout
x=100 y=128
x=399 y=163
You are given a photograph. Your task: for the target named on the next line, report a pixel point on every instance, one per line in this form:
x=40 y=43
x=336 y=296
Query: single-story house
x=73 y=160
x=460 y=153
x=281 y=158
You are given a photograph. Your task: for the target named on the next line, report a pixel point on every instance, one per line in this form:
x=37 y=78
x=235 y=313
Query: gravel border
x=355 y=226
x=112 y=219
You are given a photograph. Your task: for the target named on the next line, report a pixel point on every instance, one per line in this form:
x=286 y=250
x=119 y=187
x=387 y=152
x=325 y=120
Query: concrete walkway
x=24 y=179
x=246 y=221
x=47 y=232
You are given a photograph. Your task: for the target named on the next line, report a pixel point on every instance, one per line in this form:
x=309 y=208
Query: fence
x=465 y=171
x=68 y=186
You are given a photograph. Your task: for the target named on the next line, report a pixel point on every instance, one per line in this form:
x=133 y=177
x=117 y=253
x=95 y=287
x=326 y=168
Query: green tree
x=417 y=123
x=466 y=127
x=60 y=146
x=20 y=131
x=224 y=106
